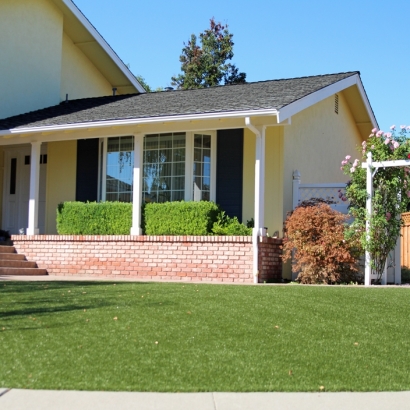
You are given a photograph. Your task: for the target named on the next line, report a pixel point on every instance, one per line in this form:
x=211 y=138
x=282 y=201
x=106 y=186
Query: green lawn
x=186 y=337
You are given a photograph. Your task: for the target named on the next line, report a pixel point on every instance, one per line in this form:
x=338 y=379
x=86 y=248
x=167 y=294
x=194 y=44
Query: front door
x=16 y=189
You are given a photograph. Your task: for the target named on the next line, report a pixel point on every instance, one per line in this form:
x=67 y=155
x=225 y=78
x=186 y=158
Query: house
x=237 y=145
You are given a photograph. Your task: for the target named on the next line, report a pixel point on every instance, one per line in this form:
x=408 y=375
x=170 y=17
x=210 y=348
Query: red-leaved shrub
x=314 y=233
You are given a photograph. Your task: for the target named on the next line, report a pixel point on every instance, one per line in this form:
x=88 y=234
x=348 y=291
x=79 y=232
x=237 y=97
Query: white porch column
x=137 y=185
x=32 y=228
x=397 y=262
x=369 y=188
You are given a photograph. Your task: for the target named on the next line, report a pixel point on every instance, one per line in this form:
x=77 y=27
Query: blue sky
x=272 y=40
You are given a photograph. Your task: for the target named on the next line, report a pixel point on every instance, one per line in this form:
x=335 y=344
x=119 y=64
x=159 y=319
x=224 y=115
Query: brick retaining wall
x=205 y=258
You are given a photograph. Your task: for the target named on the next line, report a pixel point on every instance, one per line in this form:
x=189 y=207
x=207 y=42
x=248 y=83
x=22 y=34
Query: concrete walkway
x=16 y=399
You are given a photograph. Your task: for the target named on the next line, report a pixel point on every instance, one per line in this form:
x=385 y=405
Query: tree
x=144 y=84
x=206 y=65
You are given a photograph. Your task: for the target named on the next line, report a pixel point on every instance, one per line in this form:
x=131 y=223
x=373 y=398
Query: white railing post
x=369 y=189
x=397 y=262
x=32 y=228
x=296 y=186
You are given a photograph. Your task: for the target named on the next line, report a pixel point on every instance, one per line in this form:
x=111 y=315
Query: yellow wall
x=79 y=77
x=30 y=61
x=61 y=178
x=315 y=143
x=248 y=194
x=273 y=178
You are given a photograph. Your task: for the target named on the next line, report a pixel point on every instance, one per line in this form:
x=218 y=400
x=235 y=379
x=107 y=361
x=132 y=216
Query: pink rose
x=388 y=216
x=364 y=144
x=344 y=199
x=356 y=163
x=379 y=133
x=374 y=130
x=392 y=127
x=352 y=169
x=348 y=157
x=344 y=162
x=402 y=127
x=387 y=140
x=396 y=144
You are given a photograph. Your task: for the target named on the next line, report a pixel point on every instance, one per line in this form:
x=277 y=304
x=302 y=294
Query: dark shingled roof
x=273 y=94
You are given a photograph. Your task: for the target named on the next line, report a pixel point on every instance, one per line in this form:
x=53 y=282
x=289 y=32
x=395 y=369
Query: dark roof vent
x=169 y=88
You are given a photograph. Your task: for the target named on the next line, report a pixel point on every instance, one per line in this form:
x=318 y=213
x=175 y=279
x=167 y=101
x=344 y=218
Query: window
x=176 y=166
x=164 y=167
x=117 y=169
x=202 y=168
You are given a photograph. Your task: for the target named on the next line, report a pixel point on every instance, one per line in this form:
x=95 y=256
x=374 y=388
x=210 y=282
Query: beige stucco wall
x=30 y=61
x=79 y=77
x=61 y=178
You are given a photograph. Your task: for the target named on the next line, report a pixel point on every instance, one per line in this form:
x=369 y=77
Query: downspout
x=256 y=229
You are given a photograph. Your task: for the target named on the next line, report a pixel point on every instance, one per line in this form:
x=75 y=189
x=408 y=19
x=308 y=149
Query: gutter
x=140 y=121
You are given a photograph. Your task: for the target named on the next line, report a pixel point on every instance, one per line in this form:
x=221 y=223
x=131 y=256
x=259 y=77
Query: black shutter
x=229 y=171
x=87 y=170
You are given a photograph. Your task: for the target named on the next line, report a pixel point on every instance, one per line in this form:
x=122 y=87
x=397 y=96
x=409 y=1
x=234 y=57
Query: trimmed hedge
x=92 y=218
x=167 y=218
x=180 y=218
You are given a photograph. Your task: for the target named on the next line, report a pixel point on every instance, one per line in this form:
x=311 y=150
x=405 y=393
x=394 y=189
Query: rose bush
x=391 y=193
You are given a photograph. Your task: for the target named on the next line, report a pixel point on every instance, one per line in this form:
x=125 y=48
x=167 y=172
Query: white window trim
x=189 y=164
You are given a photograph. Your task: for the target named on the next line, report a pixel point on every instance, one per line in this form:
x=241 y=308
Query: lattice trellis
x=320 y=192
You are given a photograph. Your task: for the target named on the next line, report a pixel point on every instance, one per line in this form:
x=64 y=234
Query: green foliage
x=390 y=195
x=230 y=226
x=206 y=65
x=315 y=237
x=94 y=218
x=180 y=218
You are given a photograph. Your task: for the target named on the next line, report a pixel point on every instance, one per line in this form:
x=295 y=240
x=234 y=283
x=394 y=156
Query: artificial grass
x=186 y=337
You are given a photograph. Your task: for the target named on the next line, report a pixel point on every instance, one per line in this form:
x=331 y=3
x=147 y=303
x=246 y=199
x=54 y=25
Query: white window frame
x=189 y=163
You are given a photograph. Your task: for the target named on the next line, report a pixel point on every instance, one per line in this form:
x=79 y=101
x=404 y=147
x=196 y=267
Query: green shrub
x=230 y=226
x=180 y=218
x=94 y=218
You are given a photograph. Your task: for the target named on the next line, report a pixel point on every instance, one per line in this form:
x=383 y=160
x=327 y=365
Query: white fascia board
x=324 y=93
x=100 y=40
x=140 y=121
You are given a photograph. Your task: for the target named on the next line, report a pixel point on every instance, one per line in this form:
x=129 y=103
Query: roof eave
x=295 y=107
x=140 y=121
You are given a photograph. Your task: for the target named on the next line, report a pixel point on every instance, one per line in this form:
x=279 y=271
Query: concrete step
x=12 y=257
x=7 y=249
x=22 y=271
x=5 y=263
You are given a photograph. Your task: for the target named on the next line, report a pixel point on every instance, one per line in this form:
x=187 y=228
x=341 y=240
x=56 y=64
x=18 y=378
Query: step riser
x=7 y=249
x=22 y=272
x=12 y=257
x=17 y=264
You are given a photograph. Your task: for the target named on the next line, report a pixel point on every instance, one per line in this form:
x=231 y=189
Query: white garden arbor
x=371 y=169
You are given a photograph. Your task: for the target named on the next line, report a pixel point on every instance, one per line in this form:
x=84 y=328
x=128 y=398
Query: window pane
x=151 y=142
x=198 y=141
x=202 y=167
x=177 y=195
x=120 y=164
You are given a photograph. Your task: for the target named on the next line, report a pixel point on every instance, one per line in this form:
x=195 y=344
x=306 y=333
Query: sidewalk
x=16 y=399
